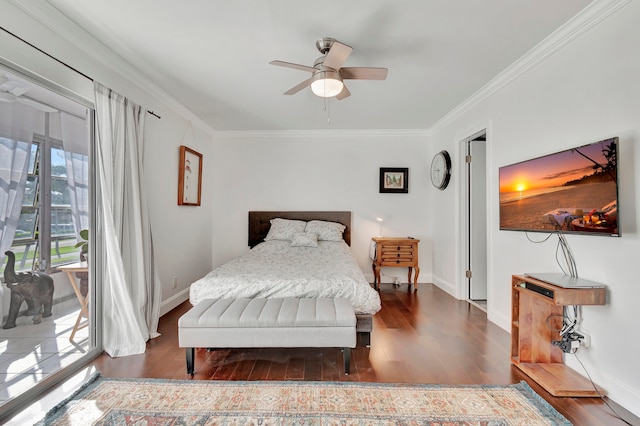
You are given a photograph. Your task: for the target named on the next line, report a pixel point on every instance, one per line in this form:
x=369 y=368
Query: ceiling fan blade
x=14 y=87
x=294 y=66
x=338 y=53
x=7 y=97
x=345 y=93
x=363 y=73
x=19 y=90
x=298 y=87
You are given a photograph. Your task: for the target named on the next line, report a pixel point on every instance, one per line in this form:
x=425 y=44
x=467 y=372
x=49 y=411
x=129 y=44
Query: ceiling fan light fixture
x=326 y=84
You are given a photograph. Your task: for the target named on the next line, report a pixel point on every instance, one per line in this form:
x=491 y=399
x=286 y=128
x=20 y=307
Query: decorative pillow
x=304 y=239
x=327 y=231
x=283 y=229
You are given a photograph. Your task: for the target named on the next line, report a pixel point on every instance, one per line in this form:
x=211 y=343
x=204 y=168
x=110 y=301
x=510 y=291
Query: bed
x=280 y=267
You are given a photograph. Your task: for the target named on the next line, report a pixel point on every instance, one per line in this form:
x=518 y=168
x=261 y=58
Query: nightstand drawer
x=397 y=248
x=397 y=262
x=396 y=257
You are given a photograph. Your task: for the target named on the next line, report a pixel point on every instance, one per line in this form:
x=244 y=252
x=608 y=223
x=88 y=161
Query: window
x=47 y=221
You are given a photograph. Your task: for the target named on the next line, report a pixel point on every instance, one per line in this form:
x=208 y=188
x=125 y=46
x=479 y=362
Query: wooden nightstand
x=396 y=252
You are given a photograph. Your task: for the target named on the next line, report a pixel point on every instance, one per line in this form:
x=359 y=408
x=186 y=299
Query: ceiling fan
x=14 y=91
x=327 y=73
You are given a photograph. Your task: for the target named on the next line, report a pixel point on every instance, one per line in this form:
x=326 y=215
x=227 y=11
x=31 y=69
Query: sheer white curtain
x=131 y=289
x=14 y=163
x=16 y=134
x=74 y=142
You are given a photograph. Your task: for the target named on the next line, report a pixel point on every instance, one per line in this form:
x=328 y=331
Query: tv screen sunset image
x=572 y=191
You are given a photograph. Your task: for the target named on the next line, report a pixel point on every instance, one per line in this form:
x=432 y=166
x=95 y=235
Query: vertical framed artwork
x=394 y=180
x=189 y=177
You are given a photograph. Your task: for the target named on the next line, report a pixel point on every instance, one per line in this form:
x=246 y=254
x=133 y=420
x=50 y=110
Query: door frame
x=476 y=217
x=463 y=203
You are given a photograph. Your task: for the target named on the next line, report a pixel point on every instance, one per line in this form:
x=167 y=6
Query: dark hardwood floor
x=418 y=337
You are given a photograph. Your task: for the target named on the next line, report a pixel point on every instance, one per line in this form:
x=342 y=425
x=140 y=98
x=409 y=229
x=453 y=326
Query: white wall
x=322 y=171
x=587 y=91
x=182 y=235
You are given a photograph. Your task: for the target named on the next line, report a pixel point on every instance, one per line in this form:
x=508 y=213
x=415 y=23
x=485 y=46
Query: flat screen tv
x=573 y=191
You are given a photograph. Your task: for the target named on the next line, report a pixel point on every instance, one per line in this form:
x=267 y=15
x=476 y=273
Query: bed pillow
x=327 y=231
x=304 y=239
x=283 y=229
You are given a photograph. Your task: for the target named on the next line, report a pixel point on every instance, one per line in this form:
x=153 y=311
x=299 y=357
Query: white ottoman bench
x=268 y=323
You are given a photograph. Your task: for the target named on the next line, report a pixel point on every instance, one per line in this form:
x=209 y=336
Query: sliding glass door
x=47 y=303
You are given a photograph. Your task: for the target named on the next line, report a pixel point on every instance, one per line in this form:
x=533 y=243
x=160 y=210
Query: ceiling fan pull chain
x=328 y=104
x=327 y=107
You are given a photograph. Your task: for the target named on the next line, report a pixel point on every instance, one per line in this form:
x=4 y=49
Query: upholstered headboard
x=259 y=222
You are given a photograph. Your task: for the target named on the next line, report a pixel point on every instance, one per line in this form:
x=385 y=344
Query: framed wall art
x=394 y=180
x=189 y=177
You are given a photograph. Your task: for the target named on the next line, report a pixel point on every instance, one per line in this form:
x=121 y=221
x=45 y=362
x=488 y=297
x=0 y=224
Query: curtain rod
x=58 y=60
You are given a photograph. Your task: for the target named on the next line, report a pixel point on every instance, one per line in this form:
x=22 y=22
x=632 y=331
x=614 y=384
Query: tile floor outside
x=30 y=352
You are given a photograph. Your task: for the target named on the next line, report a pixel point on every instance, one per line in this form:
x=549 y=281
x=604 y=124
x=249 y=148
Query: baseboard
x=502 y=321
x=620 y=393
x=388 y=278
x=173 y=301
x=445 y=285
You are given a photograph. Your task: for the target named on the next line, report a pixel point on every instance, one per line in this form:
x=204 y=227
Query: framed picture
x=394 y=180
x=189 y=177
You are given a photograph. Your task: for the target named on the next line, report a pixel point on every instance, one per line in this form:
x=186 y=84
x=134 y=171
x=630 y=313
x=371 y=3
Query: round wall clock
x=441 y=170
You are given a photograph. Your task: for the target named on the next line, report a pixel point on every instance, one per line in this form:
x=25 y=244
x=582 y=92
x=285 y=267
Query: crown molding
x=52 y=18
x=49 y=16
x=582 y=22
x=297 y=134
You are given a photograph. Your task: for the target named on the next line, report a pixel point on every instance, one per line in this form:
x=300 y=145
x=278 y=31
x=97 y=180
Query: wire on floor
x=598 y=391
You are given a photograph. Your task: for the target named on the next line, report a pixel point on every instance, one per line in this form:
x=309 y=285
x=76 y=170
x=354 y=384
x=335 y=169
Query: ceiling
x=213 y=56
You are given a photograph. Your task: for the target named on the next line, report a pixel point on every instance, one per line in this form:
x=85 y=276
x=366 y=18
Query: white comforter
x=275 y=269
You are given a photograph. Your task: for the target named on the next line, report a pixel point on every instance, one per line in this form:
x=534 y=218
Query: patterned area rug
x=177 y=402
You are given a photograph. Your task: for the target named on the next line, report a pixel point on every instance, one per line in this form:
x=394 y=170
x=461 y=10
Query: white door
x=477 y=219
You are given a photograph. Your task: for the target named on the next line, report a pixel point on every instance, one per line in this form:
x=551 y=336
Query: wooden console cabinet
x=396 y=252
x=536 y=321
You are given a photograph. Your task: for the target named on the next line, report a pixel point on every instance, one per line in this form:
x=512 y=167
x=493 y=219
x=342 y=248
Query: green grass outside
x=66 y=253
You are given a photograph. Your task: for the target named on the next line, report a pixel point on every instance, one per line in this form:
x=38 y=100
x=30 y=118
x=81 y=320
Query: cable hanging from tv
x=572 y=269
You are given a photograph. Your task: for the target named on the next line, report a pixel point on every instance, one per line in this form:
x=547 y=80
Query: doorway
x=476 y=219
